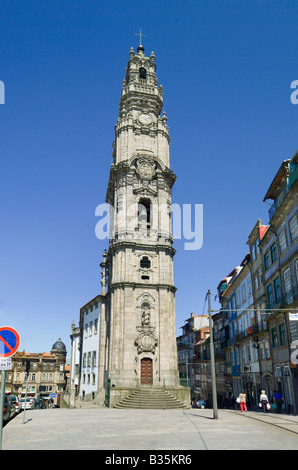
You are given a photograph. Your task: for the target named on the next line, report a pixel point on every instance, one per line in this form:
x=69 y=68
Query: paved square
x=116 y=429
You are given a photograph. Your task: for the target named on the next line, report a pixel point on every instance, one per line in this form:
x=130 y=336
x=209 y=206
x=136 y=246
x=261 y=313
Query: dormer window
x=142 y=73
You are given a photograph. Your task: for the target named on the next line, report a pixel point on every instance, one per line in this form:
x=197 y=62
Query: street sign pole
x=9 y=344
x=2 y=395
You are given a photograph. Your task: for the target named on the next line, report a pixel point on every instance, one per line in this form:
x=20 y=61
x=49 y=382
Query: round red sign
x=9 y=341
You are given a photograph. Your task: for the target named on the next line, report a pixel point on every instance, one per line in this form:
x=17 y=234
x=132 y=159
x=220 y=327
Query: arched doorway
x=146 y=371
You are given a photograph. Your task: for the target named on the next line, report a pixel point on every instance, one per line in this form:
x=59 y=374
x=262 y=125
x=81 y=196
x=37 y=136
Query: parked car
x=33 y=402
x=26 y=403
x=8 y=409
x=16 y=402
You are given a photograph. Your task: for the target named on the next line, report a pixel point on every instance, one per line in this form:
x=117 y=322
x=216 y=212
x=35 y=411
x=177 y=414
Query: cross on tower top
x=141 y=35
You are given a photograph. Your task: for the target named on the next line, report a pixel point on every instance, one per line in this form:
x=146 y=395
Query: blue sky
x=226 y=69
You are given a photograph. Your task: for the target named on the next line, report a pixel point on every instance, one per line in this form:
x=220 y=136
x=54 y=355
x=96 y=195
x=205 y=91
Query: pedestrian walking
x=242 y=401
x=264 y=402
x=278 y=399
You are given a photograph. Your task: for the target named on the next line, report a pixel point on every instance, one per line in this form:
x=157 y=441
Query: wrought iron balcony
x=283 y=301
x=293 y=176
x=285 y=190
x=260 y=327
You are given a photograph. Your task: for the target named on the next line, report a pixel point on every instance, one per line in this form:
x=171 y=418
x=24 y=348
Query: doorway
x=146 y=371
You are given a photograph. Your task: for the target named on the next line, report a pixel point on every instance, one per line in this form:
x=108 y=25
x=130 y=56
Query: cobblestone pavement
x=118 y=429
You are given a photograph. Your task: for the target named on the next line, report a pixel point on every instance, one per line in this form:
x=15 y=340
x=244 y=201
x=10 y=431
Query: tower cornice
x=134 y=285
x=119 y=244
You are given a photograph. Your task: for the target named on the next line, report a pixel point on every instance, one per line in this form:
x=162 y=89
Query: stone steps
x=150 y=398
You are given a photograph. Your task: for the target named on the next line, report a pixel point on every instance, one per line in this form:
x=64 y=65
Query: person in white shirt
x=264 y=401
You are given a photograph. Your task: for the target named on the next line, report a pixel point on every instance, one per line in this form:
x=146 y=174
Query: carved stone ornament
x=145 y=168
x=146 y=341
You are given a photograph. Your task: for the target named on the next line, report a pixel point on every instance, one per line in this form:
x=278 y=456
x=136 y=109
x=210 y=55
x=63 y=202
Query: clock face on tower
x=145 y=119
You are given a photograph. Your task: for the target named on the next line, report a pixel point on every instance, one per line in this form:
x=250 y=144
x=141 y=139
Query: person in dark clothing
x=233 y=402
x=278 y=400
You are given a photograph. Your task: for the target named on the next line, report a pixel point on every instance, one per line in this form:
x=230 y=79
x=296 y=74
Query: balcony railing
x=293 y=176
x=287 y=299
x=259 y=327
x=203 y=356
x=220 y=354
x=240 y=335
x=278 y=201
x=283 y=301
x=287 y=187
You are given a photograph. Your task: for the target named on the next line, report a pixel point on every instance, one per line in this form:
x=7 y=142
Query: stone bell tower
x=138 y=328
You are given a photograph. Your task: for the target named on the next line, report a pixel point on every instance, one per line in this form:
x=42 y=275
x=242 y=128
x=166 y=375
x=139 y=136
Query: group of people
x=277 y=402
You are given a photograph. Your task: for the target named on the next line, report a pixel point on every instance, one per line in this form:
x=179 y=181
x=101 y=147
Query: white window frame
x=282 y=240
x=287 y=280
x=243 y=293
x=293 y=228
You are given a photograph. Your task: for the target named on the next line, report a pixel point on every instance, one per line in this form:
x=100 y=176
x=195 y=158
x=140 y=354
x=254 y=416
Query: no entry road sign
x=9 y=341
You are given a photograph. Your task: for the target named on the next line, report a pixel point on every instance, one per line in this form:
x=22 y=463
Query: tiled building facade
x=256 y=330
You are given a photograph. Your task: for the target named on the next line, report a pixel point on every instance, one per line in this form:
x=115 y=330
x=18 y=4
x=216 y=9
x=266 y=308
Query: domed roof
x=59 y=346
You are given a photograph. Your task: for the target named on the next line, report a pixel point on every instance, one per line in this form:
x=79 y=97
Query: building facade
x=47 y=374
x=194 y=330
x=279 y=248
x=85 y=346
x=242 y=365
x=259 y=321
x=259 y=301
x=90 y=314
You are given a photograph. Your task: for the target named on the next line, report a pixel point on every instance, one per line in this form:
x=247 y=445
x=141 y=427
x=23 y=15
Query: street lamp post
x=212 y=361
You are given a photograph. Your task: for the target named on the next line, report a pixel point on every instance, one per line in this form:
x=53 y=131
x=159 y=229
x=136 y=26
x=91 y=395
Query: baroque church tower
x=138 y=327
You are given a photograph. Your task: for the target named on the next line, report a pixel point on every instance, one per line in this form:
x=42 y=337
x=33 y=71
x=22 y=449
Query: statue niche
x=146 y=341
x=145 y=314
